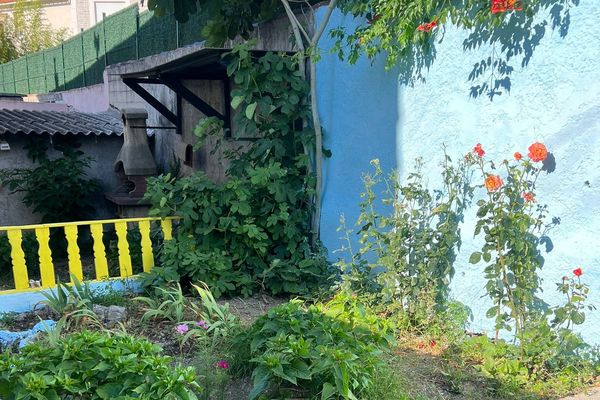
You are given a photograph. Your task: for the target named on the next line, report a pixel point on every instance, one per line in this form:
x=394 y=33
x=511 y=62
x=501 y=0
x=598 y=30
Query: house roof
x=60 y=122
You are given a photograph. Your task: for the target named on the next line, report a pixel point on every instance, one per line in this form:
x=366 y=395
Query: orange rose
x=537 y=152
x=518 y=156
x=493 y=183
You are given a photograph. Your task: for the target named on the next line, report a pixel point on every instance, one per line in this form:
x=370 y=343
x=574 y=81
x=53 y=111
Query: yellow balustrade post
x=167 y=228
x=147 y=256
x=18 y=259
x=45 y=254
x=100 y=261
x=123 y=246
x=75 y=266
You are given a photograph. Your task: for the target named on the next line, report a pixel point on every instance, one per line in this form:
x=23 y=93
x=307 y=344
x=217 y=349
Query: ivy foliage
x=390 y=27
x=250 y=232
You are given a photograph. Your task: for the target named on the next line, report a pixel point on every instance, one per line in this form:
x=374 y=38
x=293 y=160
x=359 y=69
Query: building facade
x=75 y=15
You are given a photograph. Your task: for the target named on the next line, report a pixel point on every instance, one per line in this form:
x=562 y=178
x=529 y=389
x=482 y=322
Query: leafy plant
x=408 y=240
x=66 y=298
x=513 y=226
x=329 y=350
x=94 y=365
x=57 y=188
x=220 y=322
x=167 y=304
x=250 y=232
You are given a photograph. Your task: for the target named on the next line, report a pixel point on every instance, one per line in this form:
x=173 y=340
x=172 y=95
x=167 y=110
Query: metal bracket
x=134 y=84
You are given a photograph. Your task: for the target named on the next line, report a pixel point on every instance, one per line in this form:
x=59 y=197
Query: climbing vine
x=251 y=232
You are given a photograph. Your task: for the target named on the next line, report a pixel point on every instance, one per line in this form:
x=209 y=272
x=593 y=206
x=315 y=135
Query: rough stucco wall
x=555 y=100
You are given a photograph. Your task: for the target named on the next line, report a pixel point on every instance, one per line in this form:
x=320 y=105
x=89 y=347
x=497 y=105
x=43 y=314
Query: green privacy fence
x=80 y=60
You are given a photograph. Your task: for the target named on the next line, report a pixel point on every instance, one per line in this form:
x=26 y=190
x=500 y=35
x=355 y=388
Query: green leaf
x=328 y=391
x=109 y=391
x=236 y=101
x=260 y=384
x=475 y=257
x=250 y=110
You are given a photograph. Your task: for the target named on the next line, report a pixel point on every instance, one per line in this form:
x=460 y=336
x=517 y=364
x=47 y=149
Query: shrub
x=408 y=240
x=329 y=349
x=57 y=188
x=252 y=231
x=90 y=365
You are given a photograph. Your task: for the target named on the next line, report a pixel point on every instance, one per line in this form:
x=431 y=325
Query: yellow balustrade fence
x=71 y=230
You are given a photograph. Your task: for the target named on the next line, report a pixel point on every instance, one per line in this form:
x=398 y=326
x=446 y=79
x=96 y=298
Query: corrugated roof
x=60 y=123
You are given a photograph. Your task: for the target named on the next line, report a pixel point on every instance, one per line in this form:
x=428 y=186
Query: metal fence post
x=14 y=80
x=82 y=58
x=137 y=35
x=64 y=68
x=45 y=77
x=27 y=70
x=104 y=34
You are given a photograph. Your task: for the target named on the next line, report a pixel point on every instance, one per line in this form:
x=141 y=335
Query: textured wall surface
x=555 y=100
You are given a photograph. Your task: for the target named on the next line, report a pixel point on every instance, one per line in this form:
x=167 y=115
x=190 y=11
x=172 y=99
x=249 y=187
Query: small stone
x=110 y=315
x=116 y=314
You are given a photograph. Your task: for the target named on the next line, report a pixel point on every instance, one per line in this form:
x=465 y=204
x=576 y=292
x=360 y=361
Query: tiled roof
x=60 y=123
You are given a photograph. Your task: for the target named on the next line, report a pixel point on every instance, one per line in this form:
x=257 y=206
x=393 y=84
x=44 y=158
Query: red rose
x=528 y=197
x=493 y=183
x=518 y=156
x=479 y=150
x=578 y=272
x=537 y=152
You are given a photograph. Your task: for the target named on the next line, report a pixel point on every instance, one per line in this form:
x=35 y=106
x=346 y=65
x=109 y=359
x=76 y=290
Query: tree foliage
x=27 y=30
x=390 y=27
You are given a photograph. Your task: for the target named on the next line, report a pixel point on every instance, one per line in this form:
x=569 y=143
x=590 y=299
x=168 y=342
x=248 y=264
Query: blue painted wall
x=555 y=100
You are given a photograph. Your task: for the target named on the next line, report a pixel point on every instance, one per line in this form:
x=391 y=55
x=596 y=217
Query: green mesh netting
x=37 y=76
x=121 y=37
x=80 y=61
x=55 y=77
x=191 y=31
x=156 y=34
x=94 y=54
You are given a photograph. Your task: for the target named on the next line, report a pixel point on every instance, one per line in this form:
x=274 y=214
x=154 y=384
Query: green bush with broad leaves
x=252 y=231
x=96 y=366
x=327 y=350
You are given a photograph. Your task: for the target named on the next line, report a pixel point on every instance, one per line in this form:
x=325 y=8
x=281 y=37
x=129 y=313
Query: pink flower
x=202 y=324
x=182 y=329
x=222 y=364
